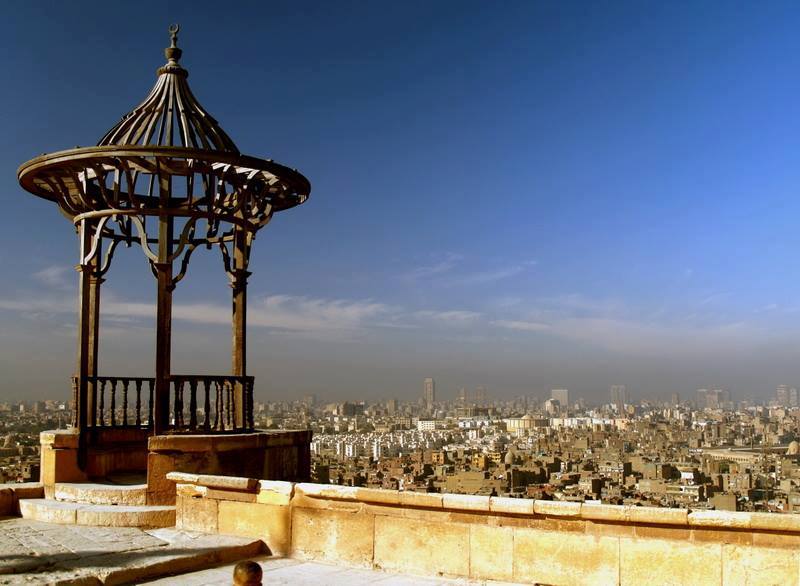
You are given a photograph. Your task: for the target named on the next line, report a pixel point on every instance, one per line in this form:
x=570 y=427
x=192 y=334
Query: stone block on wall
x=669 y=562
x=270 y=523
x=554 y=557
x=418 y=547
x=333 y=535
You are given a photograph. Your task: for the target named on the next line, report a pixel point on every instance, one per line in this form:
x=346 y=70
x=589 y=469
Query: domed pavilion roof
x=170 y=115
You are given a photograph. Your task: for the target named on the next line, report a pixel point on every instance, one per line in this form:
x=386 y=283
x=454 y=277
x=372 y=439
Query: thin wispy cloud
x=494 y=274
x=55 y=277
x=525 y=326
x=448 y=317
x=447 y=263
x=452 y=270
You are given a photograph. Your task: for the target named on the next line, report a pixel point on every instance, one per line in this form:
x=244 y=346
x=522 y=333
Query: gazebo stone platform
x=168 y=179
x=278 y=455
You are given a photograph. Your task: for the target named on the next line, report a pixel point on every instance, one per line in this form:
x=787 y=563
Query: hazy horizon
x=522 y=196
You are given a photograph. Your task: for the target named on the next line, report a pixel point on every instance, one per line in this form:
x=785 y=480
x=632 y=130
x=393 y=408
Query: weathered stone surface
x=8 y=503
x=59 y=512
x=491 y=552
x=196 y=514
x=421 y=499
x=557 y=508
x=124 y=516
x=658 y=515
x=467 y=502
x=328 y=491
x=417 y=547
x=616 y=513
x=725 y=519
x=669 y=562
x=376 y=495
x=226 y=482
x=498 y=504
x=553 y=557
x=191 y=490
x=750 y=566
x=101 y=494
x=214 y=459
x=59 y=438
x=25 y=490
x=275 y=492
x=59 y=460
x=183 y=477
x=48 y=511
x=41 y=553
x=773 y=522
x=332 y=535
x=271 y=523
x=231 y=495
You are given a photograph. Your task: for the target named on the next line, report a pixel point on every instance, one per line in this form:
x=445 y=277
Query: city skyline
x=634 y=226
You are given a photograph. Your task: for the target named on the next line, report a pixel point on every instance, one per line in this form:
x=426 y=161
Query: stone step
x=122 y=557
x=101 y=493
x=65 y=513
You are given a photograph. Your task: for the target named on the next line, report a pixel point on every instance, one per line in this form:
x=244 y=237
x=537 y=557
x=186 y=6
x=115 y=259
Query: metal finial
x=173 y=53
x=173 y=35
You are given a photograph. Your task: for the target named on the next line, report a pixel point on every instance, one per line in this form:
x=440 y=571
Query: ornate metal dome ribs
x=167 y=156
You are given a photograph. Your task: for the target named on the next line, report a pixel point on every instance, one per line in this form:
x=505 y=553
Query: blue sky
x=519 y=195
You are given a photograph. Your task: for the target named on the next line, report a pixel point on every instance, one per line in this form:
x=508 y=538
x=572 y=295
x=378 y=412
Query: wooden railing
x=198 y=403
x=219 y=403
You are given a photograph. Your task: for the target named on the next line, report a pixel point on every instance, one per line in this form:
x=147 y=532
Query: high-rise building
x=793 y=397
x=723 y=397
x=619 y=397
x=462 y=395
x=480 y=395
x=701 y=398
x=391 y=406
x=429 y=392
x=676 y=399
x=560 y=395
x=782 y=395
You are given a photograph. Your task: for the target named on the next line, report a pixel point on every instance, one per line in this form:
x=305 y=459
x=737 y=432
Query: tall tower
x=619 y=397
x=782 y=395
x=429 y=392
x=560 y=395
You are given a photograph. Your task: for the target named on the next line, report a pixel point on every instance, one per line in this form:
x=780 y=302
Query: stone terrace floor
x=33 y=552
x=287 y=571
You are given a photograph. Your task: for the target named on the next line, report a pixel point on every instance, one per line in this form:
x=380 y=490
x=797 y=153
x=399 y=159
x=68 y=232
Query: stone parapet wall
x=11 y=493
x=494 y=538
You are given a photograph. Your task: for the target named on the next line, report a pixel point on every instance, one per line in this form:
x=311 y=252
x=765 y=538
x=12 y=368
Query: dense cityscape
x=706 y=451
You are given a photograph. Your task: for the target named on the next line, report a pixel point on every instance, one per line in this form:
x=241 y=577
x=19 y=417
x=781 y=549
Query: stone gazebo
x=167 y=178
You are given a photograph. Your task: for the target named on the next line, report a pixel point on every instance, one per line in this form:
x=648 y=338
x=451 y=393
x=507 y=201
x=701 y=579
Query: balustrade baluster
x=231 y=405
x=218 y=406
x=150 y=384
x=74 y=401
x=207 y=405
x=138 y=384
x=113 y=402
x=93 y=392
x=178 y=386
x=193 y=404
x=251 y=424
x=102 y=387
x=125 y=383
